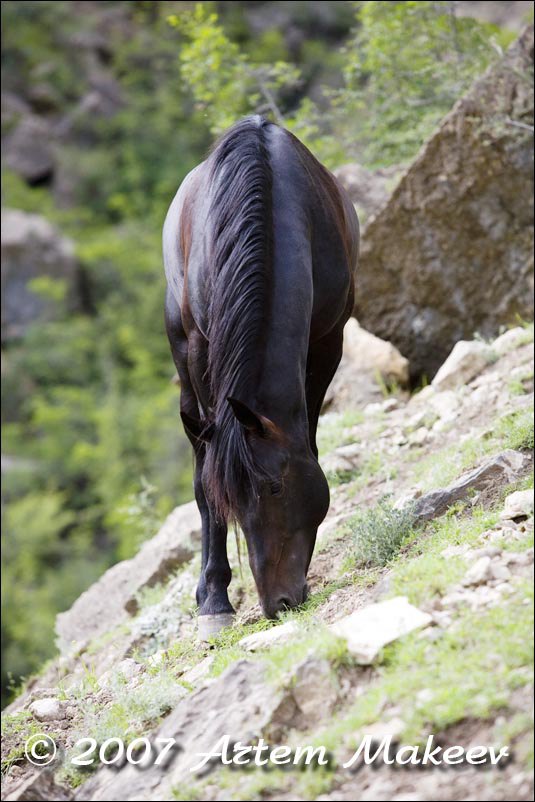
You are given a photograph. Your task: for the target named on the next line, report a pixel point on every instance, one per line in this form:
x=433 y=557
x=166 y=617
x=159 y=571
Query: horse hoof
x=210 y=625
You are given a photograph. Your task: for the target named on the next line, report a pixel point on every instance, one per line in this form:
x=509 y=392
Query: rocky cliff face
x=418 y=621
x=451 y=252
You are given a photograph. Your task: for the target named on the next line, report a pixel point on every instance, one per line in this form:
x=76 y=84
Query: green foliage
x=405 y=69
x=379 y=533
x=225 y=82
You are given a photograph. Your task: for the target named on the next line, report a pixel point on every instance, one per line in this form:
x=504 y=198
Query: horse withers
x=260 y=249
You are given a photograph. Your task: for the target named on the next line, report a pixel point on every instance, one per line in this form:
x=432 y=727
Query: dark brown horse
x=260 y=249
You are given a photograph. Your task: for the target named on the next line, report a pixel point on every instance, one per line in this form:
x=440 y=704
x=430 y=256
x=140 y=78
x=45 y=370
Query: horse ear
x=196 y=428
x=249 y=419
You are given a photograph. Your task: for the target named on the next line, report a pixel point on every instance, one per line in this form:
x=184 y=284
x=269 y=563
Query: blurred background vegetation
x=130 y=95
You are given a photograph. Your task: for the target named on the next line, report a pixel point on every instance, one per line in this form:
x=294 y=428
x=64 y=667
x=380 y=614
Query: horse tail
x=240 y=256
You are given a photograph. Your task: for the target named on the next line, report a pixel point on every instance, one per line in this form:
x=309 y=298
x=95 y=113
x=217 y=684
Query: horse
x=260 y=250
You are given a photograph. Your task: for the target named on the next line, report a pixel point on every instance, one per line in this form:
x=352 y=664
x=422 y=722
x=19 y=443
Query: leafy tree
x=224 y=81
x=406 y=65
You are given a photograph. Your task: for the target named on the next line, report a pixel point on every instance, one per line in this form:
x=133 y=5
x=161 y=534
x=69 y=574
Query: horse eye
x=276 y=488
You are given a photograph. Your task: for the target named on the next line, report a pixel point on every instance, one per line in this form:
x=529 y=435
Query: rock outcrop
x=113 y=598
x=451 y=253
x=32 y=248
x=368 y=366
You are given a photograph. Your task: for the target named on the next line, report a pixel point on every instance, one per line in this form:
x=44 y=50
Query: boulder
x=113 y=598
x=451 y=252
x=367 y=363
x=27 y=150
x=31 y=248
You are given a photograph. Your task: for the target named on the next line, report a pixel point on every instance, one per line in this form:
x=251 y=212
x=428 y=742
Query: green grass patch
x=423 y=572
x=514 y=431
x=16 y=729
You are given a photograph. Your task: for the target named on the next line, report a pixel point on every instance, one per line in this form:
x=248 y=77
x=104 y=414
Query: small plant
x=378 y=533
x=517 y=430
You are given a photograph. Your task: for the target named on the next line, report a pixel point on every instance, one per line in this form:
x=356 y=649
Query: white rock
x=454 y=550
x=419 y=437
x=198 y=672
x=372 y=409
x=350 y=451
x=371 y=628
x=479 y=573
x=48 y=709
x=518 y=505
x=384 y=729
x=157 y=658
x=467 y=359
x=446 y=405
x=269 y=637
x=518 y=557
x=509 y=340
x=314 y=688
x=127 y=669
x=500 y=572
x=389 y=404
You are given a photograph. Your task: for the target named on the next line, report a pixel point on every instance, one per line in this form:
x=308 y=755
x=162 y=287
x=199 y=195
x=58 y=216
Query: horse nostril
x=284 y=603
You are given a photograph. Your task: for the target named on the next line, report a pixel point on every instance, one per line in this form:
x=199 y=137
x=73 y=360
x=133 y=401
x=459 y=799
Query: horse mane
x=240 y=260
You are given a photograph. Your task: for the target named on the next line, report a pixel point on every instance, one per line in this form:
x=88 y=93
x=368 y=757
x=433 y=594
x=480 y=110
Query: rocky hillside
x=419 y=621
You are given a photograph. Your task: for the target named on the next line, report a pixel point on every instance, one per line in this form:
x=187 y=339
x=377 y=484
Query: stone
x=451 y=251
x=518 y=506
x=351 y=451
x=48 y=709
x=273 y=636
x=500 y=572
x=419 y=437
x=198 y=672
x=391 y=728
x=33 y=248
x=314 y=689
x=446 y=404
x=504 y=468
x=467 y=359
x=479 y=573
x=369 y=629
x=39 y=786
x=510 y=340
x=110 y=600
x=367 y=362
x=27 y=150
